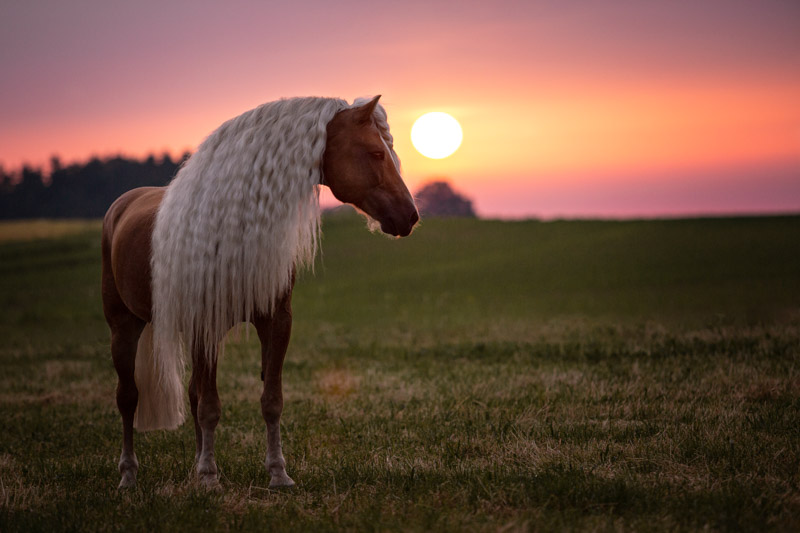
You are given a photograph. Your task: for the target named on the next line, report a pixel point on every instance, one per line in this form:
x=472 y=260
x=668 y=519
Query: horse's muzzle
x=401 y=226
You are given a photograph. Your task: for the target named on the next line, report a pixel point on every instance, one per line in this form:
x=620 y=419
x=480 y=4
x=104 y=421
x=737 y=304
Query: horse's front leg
x=274 y=331
x=206 y=410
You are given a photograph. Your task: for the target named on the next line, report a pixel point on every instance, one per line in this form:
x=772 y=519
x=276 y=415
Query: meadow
x=476 y=376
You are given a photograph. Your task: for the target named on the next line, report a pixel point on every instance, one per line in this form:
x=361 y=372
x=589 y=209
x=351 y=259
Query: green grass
x=479 y=375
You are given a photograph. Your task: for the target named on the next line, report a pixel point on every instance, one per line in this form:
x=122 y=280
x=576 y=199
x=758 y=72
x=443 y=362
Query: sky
x=569 y=109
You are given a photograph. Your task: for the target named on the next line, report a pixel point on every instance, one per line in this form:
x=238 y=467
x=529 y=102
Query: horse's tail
x=160 y=388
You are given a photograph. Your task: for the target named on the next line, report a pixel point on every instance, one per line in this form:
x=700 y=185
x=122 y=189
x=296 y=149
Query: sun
x=436 y=135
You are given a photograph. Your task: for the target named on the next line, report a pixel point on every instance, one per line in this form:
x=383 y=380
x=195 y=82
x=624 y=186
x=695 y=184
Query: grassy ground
x=26 y=230
x=476 y=376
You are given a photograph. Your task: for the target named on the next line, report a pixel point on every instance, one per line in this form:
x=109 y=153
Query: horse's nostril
x=414 y=217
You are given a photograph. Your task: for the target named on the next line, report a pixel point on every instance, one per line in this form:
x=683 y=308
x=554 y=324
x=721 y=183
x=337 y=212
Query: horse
x=220 y=245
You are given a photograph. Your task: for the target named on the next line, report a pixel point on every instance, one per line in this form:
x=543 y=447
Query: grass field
x=479 y=376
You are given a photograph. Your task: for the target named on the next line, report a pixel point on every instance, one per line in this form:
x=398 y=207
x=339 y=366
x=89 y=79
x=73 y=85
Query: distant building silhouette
x=438 y=199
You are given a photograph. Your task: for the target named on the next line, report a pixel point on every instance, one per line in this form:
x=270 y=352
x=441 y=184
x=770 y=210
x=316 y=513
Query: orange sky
x=620 y=108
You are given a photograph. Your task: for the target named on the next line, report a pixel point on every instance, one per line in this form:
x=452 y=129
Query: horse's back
x=127 y=235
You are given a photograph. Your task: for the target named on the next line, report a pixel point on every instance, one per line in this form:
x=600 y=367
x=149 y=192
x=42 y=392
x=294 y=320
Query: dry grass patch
x=28 y=230
x=337 y=383
x=16 y=493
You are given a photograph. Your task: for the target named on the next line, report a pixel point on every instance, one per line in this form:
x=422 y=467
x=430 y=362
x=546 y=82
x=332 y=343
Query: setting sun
x=436 y=135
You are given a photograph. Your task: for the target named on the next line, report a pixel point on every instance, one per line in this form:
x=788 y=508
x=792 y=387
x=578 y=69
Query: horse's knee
x=271 y=407
x=193 y=395
x=208 y=416
x=208 y=411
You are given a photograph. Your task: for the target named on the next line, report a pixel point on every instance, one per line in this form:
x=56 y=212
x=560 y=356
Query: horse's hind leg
x=124 y=339
x=193 y=399
x=206 y=411
x=273 y=332
x=125 y=331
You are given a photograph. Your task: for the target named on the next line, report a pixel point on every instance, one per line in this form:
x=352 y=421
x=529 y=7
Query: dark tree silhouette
x=79 y=190
x=438 y=199
x=6 y=182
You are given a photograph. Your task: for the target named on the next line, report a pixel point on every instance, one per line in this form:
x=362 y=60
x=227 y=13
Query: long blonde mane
x=240 y=215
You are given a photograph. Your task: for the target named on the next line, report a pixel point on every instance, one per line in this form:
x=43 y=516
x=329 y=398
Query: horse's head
x=360 y=169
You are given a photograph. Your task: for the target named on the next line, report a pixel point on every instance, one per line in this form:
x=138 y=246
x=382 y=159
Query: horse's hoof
x=128 y=481
x=209 y=482
x=281 y=482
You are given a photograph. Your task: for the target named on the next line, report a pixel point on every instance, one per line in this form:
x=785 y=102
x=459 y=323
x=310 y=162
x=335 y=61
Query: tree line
x=79 y=190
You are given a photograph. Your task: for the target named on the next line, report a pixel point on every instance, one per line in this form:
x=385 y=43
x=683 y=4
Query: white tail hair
x=160 y=394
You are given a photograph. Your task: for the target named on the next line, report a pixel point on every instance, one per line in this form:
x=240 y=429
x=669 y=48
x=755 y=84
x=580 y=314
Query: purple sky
x=573 y=108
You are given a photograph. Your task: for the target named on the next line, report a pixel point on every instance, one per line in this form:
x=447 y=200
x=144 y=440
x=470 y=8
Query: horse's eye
x=378 y=155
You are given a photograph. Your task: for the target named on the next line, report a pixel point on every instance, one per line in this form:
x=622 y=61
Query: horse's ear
x=364 y=113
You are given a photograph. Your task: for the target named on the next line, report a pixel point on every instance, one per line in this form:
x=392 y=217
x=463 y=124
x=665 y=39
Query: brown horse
x=184 y=263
